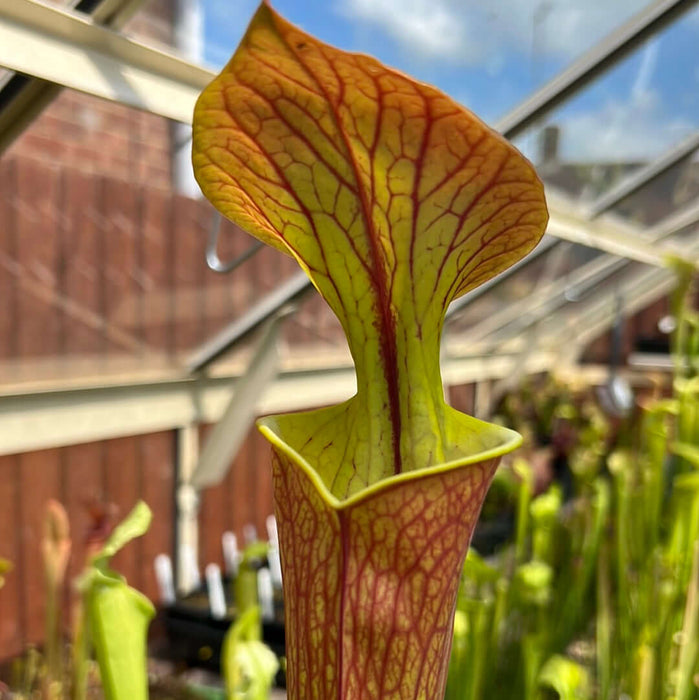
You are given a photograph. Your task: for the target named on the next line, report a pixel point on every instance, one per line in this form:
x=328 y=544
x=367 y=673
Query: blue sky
x=490 y=55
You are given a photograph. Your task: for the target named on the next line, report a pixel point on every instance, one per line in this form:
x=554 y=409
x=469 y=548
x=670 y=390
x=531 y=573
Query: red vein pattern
x=393 y=198
x=370 y=588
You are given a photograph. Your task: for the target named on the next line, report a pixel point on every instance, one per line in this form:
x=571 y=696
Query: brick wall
x=154 y=22
x=100 y=259
x=103 y=138
x=99 y=138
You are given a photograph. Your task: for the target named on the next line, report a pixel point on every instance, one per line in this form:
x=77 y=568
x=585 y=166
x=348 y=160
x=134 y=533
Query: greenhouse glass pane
x=676 y=188
x=646 y=104
x=632 y=287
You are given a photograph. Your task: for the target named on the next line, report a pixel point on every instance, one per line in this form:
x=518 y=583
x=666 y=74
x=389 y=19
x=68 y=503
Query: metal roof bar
x=59 y=417
x=644 y=175
x=582 y=280
x=612 y=238
x=607 y=234
x=22 y=98
x=621 y=42
x=228 y=435
x=524 y=312
x=67 y=48
x=628 y=185
x=267 y=307
x=637 y=290
x=625 y=187
x=643 y=251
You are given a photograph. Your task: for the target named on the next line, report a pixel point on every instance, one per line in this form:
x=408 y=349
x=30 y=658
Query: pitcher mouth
x=498 y=441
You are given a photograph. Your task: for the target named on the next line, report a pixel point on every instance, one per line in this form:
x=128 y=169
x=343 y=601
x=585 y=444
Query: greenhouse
x=349 y=350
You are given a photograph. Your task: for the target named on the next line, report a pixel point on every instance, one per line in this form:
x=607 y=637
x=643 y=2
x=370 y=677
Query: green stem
x=502 y=588
x=604 y=625
x=679 y=307
x=481 y=618
x=646 y=673
x=53 y=642
x=81 y=651
x=523 y=470
x=689 y=649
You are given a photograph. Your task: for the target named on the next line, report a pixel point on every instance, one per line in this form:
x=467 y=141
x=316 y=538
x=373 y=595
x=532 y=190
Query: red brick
x=37 y=218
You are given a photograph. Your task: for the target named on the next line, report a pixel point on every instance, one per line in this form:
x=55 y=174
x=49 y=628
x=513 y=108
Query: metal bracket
x=213 y=261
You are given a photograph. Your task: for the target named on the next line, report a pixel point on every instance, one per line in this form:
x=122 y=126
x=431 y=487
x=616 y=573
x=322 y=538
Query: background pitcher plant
x=395 y=200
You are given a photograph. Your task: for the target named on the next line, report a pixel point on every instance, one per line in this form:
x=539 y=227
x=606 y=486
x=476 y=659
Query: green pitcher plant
x=118 y=616
x=395 y=200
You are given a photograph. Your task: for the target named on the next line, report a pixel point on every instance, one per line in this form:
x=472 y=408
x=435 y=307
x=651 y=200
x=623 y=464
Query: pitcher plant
x=395 y=200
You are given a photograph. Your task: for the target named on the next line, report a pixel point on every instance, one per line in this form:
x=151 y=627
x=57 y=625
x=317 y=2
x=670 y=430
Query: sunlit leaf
x=686 y=451
x=134 y=525
x=570 y=680
x=394 y=199
x=119 y=617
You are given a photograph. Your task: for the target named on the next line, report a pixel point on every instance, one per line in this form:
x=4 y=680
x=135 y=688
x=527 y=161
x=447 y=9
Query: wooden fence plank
x=157 y=490
x=84 y=494
x=83 y=333
x=9 y=272
x=188 y=243
x=121 y=293
x=155 y=272
x=461 y=397
x=122 y=489
x=39 y=482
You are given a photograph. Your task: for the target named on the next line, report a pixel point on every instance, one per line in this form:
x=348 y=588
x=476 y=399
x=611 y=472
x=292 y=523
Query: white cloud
x=477 y=32
x=429 y=27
